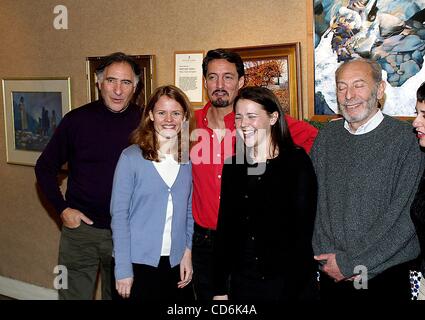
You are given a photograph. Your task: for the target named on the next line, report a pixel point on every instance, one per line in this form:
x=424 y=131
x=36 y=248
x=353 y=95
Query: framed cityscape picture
x=33 y=108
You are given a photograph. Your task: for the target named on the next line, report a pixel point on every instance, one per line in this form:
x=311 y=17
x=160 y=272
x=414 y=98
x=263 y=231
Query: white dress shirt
x=371 y=124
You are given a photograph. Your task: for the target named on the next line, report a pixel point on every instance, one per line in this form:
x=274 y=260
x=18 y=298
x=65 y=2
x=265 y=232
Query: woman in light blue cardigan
x=151 y=204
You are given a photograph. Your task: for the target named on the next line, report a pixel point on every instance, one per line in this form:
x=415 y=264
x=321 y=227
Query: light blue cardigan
x=138 y=208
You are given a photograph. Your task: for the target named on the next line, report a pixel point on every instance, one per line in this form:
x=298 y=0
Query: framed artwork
x=390 y=32
x=188 y=75
x=276 y=67
x=144 y=87
x=33 y=108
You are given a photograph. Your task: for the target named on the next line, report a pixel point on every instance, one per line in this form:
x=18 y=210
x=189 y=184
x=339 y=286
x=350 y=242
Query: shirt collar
x=370 y=125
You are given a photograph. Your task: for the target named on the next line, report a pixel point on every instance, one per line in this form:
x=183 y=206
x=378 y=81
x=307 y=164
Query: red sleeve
x=302 y=133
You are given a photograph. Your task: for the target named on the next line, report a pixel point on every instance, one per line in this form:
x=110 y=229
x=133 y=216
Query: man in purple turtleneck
x=90 y=139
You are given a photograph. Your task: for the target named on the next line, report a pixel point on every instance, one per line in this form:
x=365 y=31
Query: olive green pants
x=82 y=251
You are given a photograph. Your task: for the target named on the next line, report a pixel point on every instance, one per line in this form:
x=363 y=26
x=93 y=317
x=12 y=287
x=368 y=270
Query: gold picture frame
x=276 y=67
x=33 y=108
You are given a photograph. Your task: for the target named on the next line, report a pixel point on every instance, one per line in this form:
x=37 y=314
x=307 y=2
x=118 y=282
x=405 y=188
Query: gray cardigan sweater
x=138 y=208
x=366 y=186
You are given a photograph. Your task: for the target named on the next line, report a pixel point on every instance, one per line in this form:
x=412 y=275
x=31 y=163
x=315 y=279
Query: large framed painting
x=276 y=67
x=388 y=31
x=33 y=108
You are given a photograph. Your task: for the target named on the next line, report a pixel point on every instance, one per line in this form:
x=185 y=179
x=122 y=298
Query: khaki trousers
x=82 y=251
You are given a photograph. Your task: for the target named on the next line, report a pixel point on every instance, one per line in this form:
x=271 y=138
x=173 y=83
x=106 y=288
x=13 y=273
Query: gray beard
x=372 y=102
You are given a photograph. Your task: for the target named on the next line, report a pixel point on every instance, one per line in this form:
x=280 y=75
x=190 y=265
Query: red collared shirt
x=207 y=158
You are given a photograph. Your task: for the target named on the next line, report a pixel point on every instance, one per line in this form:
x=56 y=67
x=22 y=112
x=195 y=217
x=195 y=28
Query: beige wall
x=32 y=47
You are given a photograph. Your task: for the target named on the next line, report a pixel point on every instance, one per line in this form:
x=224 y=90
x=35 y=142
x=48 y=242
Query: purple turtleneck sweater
x=90 y=139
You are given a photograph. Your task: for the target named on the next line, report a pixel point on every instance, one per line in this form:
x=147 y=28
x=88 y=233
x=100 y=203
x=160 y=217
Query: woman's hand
x=186 y=270
x=124 y=287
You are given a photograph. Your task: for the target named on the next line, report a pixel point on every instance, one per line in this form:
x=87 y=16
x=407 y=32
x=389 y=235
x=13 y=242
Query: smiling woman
x=167 y=116
x=254 y=125
x=276 y=179
x=419 y=122
x=152 y=191
x=417 y=212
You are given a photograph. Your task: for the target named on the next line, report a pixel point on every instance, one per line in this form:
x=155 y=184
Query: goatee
x=220 y=103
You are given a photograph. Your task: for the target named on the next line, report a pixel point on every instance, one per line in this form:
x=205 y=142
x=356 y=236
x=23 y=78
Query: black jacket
x=417 y=213
x=277 y=209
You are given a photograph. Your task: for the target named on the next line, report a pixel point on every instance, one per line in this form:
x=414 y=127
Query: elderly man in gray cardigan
x=368 y=168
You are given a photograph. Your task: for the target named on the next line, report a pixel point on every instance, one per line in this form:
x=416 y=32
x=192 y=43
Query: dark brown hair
x=224 y=54
x=420 y=93
x=281 y=139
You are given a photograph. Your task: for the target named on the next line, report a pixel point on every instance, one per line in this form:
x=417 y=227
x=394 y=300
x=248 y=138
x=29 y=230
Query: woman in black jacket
x=417 y=211
x=267 y=209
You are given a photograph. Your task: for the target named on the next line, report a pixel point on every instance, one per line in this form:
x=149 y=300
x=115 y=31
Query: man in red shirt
x=223 y=77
